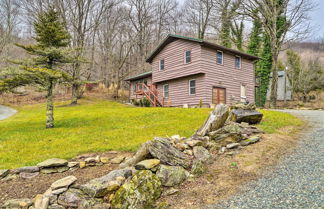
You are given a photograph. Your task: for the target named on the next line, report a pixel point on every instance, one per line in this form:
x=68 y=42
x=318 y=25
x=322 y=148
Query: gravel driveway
x=296 y=182
x=6 y=112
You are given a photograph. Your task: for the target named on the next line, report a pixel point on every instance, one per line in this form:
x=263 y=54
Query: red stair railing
x=151 y=93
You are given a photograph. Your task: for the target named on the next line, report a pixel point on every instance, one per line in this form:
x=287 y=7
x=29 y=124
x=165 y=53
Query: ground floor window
x=192 y=87
x=166 y=90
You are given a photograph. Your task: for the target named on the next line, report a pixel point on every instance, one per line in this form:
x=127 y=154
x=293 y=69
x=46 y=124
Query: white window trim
x=160 y=65
x=240 y=62
x=164 y=91
x=222 y=57
x=185 y=57
x=190 y=88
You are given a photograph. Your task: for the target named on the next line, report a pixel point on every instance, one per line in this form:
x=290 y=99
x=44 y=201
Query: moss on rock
x=140 y=192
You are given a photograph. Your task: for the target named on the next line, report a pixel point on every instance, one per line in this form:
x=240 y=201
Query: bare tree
x=228 y=11
x=164 y=11
x=282 y=21
x=198 y=15
x=9 y=14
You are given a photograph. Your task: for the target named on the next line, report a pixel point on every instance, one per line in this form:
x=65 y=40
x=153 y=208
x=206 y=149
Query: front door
x=219 y=95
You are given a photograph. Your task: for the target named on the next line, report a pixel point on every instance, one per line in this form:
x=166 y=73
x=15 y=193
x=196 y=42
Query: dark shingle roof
x=170 y=38
x=136 y=77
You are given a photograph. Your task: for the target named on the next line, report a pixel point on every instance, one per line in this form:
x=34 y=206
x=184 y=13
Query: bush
x=145 y=102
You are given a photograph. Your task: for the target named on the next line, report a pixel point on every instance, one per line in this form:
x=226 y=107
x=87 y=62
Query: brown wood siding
x=203 y=60
x=179 y=91
x=227 y=76
x=174 y=65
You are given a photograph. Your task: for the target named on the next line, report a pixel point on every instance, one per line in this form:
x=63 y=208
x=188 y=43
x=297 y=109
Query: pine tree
x=49 y=52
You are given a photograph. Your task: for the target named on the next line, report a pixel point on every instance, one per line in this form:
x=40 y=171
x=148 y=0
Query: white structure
x=283 y=92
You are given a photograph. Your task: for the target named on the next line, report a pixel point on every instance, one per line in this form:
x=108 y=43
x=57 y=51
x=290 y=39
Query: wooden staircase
x=151 y=93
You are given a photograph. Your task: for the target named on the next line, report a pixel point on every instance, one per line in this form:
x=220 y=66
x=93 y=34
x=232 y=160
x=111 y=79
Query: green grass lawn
x=98 y=125
x=274 y=120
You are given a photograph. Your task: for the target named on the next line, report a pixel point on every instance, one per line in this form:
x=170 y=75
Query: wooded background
x=115 y=36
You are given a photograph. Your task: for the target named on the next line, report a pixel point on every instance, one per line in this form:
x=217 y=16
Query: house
x=283 y=89
x=190 y=72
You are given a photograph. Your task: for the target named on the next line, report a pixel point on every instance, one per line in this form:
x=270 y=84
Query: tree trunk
x=49 y=106
x=274 y=82
x=75 y=94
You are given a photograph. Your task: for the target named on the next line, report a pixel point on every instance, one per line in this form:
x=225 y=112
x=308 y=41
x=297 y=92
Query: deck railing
x=151 y=93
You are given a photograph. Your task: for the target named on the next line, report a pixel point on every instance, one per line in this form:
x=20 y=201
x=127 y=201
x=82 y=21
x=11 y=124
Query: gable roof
x=170 y=38
x=136 y=77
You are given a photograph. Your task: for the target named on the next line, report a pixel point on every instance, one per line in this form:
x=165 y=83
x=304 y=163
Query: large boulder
x=162 y=149
x=98 y=187
x=140 y=192
x=215 y=120
x=172 y=175
x=248 y=116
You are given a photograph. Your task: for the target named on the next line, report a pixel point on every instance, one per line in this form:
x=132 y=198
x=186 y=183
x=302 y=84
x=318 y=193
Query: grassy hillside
x=100 y=125
x=90 y=127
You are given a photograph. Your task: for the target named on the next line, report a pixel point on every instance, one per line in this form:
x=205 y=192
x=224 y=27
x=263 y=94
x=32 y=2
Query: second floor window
x=219 y=57
x=192 y=87
x=188 y=57
x=238 y=62
x=161 y=65
x=166 y=90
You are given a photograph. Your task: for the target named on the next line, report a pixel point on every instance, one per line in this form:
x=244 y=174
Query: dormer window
x=238 y=62
x=219 y=57
x=188 y=57
x=161 y=65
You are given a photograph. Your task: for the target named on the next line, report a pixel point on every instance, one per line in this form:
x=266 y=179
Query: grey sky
x=318 y=19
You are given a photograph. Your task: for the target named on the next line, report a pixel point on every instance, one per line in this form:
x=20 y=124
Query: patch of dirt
x=228 y=173
x=29 y=188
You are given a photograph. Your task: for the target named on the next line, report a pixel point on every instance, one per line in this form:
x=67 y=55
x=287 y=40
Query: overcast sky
x=318 y=19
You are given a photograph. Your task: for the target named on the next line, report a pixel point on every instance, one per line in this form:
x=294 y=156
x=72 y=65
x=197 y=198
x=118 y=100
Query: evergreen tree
x=43 y=71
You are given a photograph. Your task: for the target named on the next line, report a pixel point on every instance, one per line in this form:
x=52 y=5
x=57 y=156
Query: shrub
x=145 y=102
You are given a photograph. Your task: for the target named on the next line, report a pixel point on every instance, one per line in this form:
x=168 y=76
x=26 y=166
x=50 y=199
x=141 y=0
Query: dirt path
x=297 y=181
x=6 y=112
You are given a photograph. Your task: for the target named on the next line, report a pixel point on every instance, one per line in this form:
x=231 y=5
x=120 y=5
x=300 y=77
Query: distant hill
x=307 y=50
